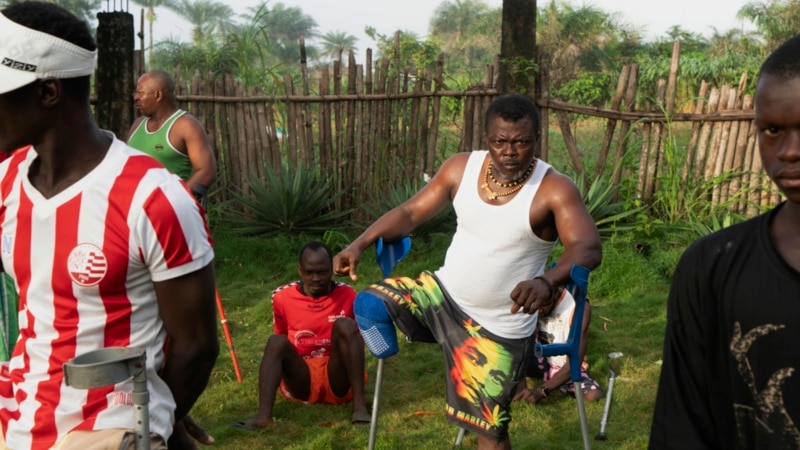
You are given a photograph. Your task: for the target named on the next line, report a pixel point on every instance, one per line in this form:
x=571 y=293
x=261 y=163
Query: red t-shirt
x=308 y=321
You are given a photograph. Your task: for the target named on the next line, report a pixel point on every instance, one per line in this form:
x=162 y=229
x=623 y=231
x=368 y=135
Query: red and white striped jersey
x=84 y=262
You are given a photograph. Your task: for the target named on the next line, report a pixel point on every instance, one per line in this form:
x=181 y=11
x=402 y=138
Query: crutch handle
x=113 y=365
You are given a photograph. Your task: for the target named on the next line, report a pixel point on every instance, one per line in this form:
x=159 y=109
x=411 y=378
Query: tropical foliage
x=585 y=49
x=776 y=20
x=611 y=215
x=337 y=43
x=286 y=202
x=444 y=222
x=585 y=46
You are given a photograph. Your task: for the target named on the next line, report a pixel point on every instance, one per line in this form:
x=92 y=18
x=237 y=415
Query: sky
x=652 y=17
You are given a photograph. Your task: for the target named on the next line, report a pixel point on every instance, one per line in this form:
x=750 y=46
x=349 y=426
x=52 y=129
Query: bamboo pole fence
x=371 y=126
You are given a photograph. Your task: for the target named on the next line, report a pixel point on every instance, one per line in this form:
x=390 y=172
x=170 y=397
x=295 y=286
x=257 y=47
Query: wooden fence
x=369 y=126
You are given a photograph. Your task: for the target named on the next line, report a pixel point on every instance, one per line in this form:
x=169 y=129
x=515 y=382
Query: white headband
x=27 y=55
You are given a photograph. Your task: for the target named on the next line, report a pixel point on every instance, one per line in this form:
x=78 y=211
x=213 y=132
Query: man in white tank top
x=481 y=305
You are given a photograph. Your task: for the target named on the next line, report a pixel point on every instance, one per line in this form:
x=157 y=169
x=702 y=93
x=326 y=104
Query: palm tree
x=467 y=27
x=150 y=16
x=207 y=17
x=453 y=20
x=414 y=54
x=334 y=43
x=776 y=20
x=584 y=38
x=285 y=26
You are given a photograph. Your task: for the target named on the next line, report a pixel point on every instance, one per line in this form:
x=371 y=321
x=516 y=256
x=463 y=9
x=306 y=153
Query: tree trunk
x=518 y=47
x=114 y=83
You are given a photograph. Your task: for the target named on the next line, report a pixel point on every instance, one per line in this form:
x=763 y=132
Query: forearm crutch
x=113 y=365
x=571 y=348
x=381 y=343
x=615 y=368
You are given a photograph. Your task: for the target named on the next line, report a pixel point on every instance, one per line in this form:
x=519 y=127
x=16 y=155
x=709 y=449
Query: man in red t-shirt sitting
x=316 y=353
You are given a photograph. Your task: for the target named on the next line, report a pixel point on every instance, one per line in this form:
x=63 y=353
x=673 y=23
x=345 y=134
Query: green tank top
x=156 y=144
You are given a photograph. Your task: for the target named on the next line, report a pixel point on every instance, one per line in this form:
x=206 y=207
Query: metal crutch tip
x=600 y=437
x=615 y=362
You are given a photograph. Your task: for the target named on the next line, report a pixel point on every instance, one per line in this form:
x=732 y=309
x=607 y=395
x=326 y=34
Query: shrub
x=290 y=202
x=610 y=215
x=444 y=222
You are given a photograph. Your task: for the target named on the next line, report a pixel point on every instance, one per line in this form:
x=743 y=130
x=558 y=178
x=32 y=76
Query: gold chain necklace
x=514 y=185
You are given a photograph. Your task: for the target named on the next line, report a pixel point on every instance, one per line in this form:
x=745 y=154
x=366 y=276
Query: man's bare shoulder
x=453 y=167
x=188 y=122
x=135 y=125
x=448 y=176
x=556 y=183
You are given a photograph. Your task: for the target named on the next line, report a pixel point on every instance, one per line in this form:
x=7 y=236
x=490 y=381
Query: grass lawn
x=628 y=294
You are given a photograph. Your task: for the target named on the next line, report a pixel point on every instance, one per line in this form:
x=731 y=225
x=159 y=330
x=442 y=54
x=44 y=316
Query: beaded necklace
x=515 y=185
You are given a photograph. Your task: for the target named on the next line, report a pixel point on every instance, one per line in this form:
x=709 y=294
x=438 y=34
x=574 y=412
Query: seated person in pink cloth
x=553 y=326
x=316 y=353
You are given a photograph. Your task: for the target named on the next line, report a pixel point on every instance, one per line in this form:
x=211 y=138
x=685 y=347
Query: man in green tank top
x=171 y=135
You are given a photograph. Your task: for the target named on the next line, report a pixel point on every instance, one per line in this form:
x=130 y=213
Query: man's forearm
x=559 y=378
x=202 y=176
x=588 y=257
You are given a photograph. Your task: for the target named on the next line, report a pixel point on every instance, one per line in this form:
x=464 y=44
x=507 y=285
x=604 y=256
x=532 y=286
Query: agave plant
x=610 y=215
x=444 y=222
x=697 y=226
x=289 y=202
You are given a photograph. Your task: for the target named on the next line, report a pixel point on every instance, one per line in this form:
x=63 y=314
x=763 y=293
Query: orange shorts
x=321 y=391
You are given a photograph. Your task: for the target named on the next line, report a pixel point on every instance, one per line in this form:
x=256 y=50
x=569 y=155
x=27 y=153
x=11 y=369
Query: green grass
x=628 y=293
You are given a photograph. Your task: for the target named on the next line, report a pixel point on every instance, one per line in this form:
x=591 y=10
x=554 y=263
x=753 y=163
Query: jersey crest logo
x=87 y=265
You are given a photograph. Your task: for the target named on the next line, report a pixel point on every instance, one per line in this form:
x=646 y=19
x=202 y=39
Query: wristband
x=549 y=285
x=200 y=193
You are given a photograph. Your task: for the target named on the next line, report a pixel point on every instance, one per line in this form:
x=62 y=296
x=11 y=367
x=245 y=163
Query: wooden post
x=622 y=140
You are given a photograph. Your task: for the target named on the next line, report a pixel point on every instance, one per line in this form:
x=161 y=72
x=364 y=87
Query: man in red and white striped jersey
x=105 y=246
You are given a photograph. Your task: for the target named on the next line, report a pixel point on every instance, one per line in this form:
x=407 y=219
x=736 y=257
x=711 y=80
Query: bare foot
x=254 y=423
x=197 y=432
x=360 y=417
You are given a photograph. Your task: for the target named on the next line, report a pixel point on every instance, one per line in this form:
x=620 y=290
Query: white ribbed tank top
x=493 y=249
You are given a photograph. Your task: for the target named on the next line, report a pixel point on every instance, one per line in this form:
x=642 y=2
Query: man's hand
x=530 y=295
x=346 y=262
x=529 y=395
